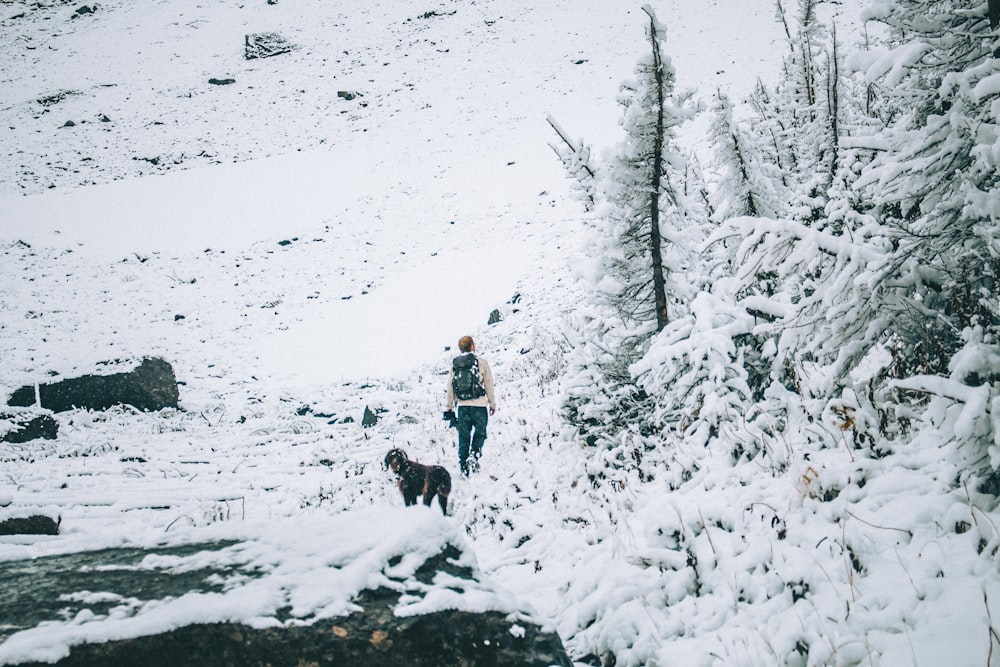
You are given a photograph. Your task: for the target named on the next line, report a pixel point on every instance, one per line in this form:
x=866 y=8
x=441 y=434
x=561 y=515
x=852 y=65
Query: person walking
x=470 y=387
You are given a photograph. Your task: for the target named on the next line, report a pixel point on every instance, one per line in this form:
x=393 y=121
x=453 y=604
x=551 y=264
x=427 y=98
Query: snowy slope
x=298 y=256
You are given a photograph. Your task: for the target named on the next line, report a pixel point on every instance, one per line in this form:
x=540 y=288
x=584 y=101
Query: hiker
x=470 y=385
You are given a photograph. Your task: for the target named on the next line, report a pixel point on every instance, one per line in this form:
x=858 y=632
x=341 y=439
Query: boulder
x=265 y=45
x=36 y=524
x=150 y=386
x=399 y=621
x=29 y=427
x=436 y=640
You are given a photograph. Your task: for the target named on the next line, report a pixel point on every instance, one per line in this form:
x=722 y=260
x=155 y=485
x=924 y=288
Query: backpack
x=465 y=381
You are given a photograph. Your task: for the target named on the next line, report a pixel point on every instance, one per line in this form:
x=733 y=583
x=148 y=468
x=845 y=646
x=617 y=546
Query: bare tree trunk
x=994 y=10
x=656 y=184
x=834 y=95
x=833 y=107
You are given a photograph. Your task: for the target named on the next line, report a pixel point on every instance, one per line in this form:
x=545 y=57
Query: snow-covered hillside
x=311 y=239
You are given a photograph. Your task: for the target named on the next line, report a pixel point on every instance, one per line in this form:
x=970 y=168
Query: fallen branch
x=909 y=533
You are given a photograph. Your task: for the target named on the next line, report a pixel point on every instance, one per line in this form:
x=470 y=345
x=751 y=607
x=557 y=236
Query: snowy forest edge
x=826 y=316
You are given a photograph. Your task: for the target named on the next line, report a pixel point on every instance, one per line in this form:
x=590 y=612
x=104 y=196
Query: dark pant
x=471 y=435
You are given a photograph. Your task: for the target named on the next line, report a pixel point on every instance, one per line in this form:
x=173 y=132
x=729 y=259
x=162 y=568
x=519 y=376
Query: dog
x=416 y=479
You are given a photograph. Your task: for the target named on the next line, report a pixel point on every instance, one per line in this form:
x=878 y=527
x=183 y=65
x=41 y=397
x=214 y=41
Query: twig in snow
x=993 y=633
x=920 y=596
x=182 y=516
x=847 y=564
x=707 y=534
x=973 y=509
x=843 y=439
x=868 y=523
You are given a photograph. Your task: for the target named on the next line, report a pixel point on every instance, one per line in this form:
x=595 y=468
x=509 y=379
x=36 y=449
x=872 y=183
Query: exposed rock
x=435 y=640
x=151 y=386
x=221 y=82
x=33 y=525
x=369 y=418
x=35 y=592
x=265 y=45
x=495 y=317
x=56 y=97
x=436 y=14
x=27 y=428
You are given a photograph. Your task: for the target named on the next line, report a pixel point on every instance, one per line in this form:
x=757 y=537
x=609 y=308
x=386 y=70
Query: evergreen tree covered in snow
x=936 y=186
x=649 y=228
x=649 y=216
x=936 y=189
x=745 y=180
x=839 y=338
x=797 y=119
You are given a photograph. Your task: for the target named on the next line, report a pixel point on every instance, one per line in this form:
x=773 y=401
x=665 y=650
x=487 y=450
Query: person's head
x=466 y=344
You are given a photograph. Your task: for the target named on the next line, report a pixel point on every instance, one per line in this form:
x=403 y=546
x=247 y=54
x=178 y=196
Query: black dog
x=416 y=479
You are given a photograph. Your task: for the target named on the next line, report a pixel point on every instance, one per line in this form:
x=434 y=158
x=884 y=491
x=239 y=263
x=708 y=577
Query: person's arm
x=487 y=377
x=450 y=397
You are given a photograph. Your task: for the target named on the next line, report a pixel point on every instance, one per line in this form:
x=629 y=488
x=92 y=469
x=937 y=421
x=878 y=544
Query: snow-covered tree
x=937 y=188
x=797 y=119
x=649 y=214
x=648 y=224
x=744 y=180
x=937 y=184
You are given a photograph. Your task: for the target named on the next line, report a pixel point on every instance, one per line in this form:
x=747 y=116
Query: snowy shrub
x=696 y=372
x=599 y=397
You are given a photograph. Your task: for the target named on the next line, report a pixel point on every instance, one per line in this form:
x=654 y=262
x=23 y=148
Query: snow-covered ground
x=298 y=256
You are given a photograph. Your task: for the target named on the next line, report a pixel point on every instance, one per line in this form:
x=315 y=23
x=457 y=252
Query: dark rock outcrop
x=442 y=639
x=265 y=45
x=33 y=592
x=32 y=525
x=28 y=428
x=150 y=386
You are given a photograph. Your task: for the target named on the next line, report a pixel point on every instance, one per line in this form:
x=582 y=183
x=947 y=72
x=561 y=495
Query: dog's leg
x=442 y=484
x=428 y=490
x=408 y=497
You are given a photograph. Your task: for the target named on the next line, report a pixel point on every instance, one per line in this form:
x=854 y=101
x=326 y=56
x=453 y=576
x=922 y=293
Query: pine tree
x=937 y=188
x=798 y=117
x=649 y=215
x=649 y=228
x=744 y=180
